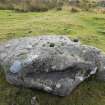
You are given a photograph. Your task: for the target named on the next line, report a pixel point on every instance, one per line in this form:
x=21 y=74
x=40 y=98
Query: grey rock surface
x=55 y=64
x=101 y=70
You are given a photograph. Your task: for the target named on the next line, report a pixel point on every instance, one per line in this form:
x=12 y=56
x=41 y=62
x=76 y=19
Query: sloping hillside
x=88 y=27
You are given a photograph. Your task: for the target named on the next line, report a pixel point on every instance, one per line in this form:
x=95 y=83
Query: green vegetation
x=30 y=5
x=88 y=27
x=44 y=5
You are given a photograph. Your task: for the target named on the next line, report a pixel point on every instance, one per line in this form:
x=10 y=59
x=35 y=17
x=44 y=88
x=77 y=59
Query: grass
x=88 y=27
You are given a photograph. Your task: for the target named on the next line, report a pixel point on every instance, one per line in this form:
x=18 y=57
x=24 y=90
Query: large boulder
x=55 y=64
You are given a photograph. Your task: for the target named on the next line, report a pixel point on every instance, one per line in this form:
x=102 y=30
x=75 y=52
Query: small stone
x=76 y=40
x=34 y=101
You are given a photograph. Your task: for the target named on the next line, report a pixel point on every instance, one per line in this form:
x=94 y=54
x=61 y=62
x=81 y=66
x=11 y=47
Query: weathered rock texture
x=55 y=64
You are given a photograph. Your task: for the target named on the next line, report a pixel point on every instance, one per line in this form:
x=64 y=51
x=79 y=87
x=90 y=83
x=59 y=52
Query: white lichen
x=93 y=71
x=58 y=85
